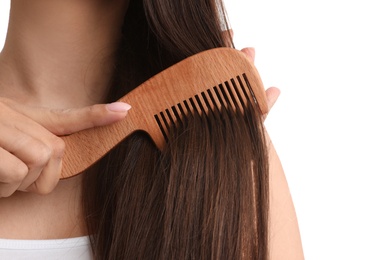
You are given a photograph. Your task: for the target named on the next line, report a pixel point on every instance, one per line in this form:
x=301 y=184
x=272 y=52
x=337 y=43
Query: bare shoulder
x=285 y=239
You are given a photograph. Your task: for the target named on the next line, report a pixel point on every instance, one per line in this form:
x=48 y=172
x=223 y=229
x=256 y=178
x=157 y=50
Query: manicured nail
x=118 y=107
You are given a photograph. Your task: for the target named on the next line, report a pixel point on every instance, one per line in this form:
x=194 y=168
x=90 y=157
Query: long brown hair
x=205 y=196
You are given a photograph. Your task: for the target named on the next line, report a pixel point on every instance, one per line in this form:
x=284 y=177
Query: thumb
x=67 y=121
x=272 y=95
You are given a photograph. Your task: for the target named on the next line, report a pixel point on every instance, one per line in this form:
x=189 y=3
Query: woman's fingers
x=250 y=53
x=44 y=173
x=68 y=121
x=64 y=122
x=272 y=93
x=47 y=179
x=10 y=182
x=30 y=150
x=27 y=149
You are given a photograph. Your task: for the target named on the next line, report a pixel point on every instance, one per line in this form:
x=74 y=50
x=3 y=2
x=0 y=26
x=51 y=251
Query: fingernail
x=118 y=107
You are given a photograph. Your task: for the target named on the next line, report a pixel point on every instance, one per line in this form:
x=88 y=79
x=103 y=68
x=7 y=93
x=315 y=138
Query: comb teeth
x=168 y=100
x=235 y=94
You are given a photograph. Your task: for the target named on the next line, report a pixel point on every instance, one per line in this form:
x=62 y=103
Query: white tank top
x=70 y=248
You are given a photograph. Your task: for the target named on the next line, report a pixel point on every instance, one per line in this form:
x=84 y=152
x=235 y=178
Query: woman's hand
x=31 y=151
x=285 y=241
x=272 y=93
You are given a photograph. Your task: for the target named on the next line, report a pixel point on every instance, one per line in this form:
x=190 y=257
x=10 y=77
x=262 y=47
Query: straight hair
x=205 y=195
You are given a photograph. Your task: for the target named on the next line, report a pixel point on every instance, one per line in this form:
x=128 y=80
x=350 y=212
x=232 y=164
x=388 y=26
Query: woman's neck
x=60 y=53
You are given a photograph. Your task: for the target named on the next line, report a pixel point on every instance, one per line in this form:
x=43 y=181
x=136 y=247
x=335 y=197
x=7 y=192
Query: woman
x=59 y=60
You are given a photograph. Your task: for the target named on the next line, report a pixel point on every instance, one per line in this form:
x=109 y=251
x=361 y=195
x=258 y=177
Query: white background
x=330 y=126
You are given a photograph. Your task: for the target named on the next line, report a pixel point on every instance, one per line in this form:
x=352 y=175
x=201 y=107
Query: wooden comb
x=213 y=78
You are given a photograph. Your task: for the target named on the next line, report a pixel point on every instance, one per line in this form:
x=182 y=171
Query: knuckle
x=57 y=120
x=90 y=115
x=58 y=147
x=40 y=156
x=94 y=115
x=92 y=110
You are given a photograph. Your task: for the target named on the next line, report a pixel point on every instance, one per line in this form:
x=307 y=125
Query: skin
x=52 y=75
